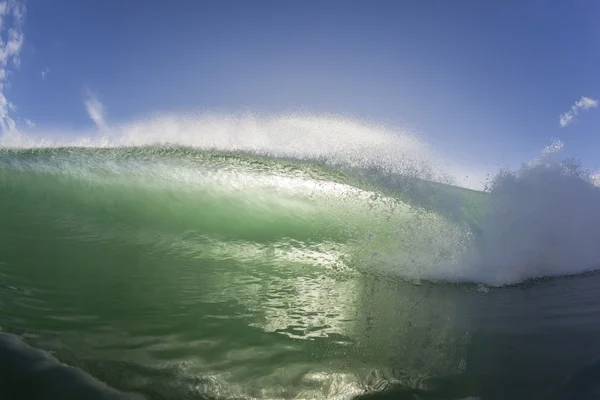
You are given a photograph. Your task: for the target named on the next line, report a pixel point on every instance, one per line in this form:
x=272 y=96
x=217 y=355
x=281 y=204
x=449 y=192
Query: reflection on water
x=270 y=331
x=175 y=326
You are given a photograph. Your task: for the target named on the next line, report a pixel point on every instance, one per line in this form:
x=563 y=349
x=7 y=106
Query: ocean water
x=295 y=257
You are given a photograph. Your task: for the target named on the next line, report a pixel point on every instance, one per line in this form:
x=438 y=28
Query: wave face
x=223 y=206
x=380 y=194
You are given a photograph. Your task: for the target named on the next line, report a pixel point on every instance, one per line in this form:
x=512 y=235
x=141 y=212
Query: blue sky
x=487 y=82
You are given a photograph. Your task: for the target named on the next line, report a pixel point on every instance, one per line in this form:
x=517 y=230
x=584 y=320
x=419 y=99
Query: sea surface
x=192 y=272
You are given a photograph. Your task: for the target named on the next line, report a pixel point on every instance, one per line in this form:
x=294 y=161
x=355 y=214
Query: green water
x=181 y=274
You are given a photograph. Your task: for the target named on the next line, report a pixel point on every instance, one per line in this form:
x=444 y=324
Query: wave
x=301 y=189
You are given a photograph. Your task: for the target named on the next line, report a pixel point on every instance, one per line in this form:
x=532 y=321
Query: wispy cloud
x=12 y=17
x=29 y=123
x=585 y=103
x=95 y=109
x=45 y=73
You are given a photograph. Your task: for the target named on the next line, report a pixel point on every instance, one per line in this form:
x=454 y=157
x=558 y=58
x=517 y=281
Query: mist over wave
x=540 y=220
x=332 y=139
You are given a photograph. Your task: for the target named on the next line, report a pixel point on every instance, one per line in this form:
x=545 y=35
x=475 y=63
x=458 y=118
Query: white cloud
x=45 y=73
x=585 y=103
x=95 y=109
x=29 y=123
x=12 y=13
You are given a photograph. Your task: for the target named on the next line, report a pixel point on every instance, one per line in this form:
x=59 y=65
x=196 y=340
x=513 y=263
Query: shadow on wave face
x=27 y=373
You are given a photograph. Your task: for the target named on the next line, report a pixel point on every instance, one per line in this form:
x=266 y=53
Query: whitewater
x=291 y=256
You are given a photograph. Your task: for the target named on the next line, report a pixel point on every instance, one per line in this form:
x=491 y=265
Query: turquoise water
x=182 y=273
